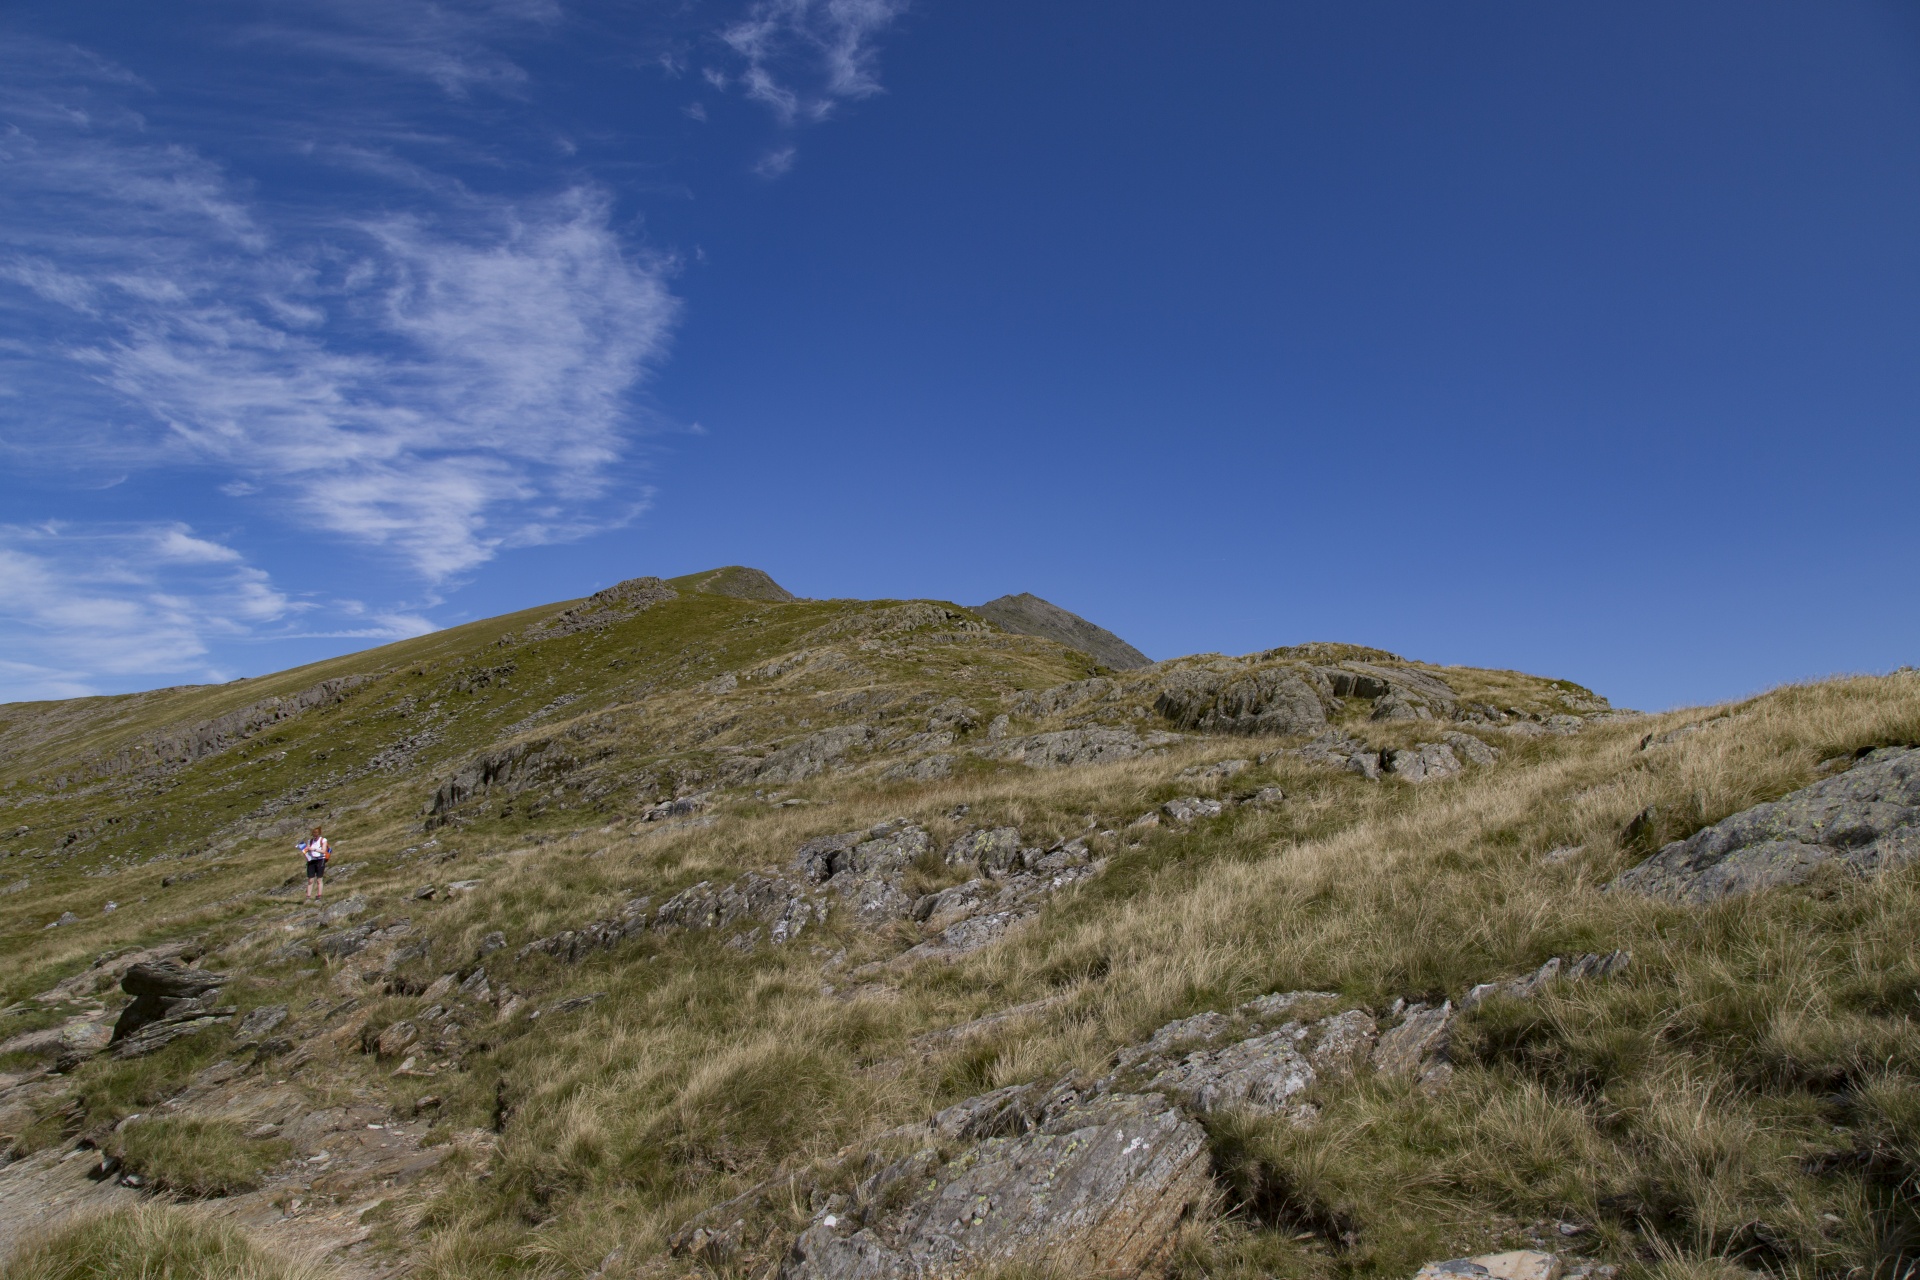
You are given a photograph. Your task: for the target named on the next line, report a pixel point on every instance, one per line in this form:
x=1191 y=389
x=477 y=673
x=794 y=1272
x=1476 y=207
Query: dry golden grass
x=1678 y=1108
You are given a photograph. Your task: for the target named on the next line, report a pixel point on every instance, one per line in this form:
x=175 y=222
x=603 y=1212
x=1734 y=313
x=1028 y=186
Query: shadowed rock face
x=1029 y=615
x=1866 y=819
x=169 y=999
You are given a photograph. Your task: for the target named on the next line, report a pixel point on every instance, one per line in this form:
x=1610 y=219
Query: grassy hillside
x=1745 y=1095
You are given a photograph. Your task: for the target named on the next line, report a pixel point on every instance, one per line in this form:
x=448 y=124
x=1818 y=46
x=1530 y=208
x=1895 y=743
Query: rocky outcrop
x=602 y=609
x=173 y=749
x=811 y=755
x=1410 y=694
x=1050 y=1179
x=1422 y=762
x=1278 y=701
x=1864 y=820
x=967 y=917
x=864 y=870
x=510 y=769
x=1029 y=615
x=1094 y=1176
x=1065 y=748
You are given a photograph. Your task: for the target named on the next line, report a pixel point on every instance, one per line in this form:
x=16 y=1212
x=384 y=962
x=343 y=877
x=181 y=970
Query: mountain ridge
x=660 y=922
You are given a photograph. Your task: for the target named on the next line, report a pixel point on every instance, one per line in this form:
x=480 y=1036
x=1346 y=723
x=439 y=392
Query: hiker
x=316 y=850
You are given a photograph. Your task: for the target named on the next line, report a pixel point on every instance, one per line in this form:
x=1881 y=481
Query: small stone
x=1191 y=808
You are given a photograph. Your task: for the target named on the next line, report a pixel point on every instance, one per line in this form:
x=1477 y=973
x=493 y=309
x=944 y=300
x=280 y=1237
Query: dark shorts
x=316 y=868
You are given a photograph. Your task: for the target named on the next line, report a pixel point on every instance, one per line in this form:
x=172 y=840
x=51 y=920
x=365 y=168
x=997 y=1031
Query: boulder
x=1471 y=749
x=1243 y=1062
x=1422 y=762
x=396 y=1038
x=169 y=979
x=1341 y=751
x=1042 y=703
x=1065 y=1183
x=1864 y=820
x=926 y=769
x=1187 y=809
x=994 y=850
x=162 y=991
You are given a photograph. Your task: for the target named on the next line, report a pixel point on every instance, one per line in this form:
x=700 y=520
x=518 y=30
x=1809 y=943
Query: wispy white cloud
x=804 y=57
x=776 y=163
x=435 y=383
x=452 y=44
x=83 y=607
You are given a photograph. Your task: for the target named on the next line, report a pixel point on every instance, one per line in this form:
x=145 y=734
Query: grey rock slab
x=1263 y=1073
x=262 y=1021
x=1345 y=1044
x=1560 y=968
x=1087 y=1187
x=1418 y=1044
x=342 y=909
x=1422 y=762
x=812 y=755
x=1864 y=820
x=1049 y=702
x=157 y=1035
x=1341 y=751
x=1519 y=1264
x=927 y=769
x=1400 y=705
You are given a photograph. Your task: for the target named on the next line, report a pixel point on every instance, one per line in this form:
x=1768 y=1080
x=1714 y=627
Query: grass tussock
x=194 y=1157
x=151 y=1242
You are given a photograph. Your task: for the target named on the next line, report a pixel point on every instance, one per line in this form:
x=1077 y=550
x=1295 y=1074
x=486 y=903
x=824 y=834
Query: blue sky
x=1582 y=339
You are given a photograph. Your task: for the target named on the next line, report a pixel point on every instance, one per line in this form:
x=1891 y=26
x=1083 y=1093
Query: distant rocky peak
x=743 y=583
x=1028 y=615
